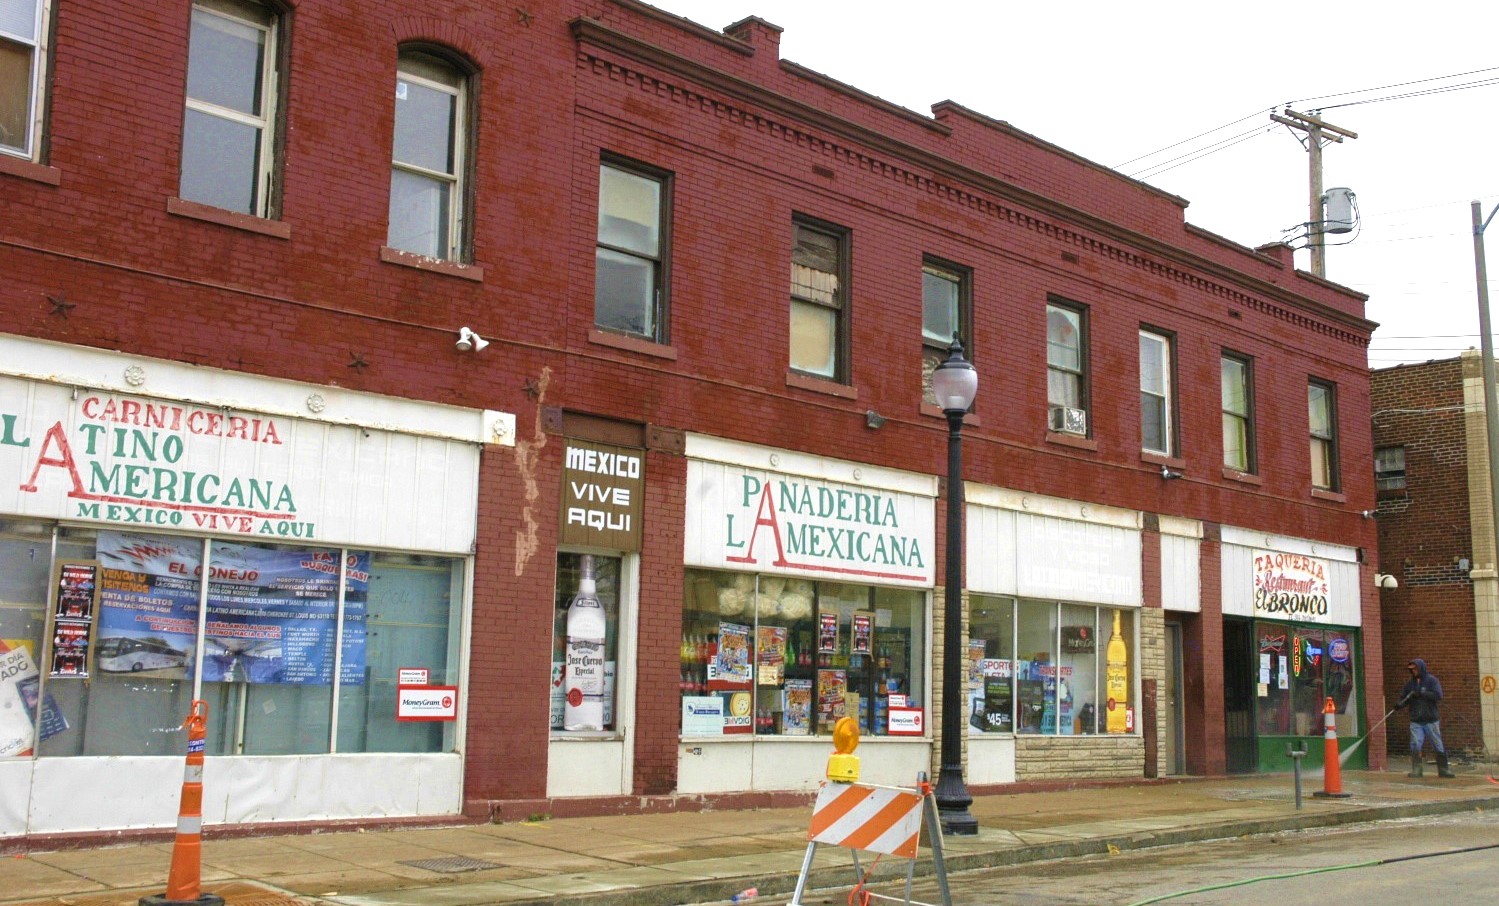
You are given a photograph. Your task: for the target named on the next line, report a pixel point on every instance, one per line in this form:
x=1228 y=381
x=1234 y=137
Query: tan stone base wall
x=1078 y=757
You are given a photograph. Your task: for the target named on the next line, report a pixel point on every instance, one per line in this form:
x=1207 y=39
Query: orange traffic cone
x=185 y=876
x=1332 y=769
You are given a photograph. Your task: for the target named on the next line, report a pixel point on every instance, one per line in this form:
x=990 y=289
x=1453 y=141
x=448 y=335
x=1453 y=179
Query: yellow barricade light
x=843 y=764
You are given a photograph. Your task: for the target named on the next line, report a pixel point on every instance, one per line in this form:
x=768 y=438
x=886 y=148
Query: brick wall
x=1424 y=540
x=751 y=141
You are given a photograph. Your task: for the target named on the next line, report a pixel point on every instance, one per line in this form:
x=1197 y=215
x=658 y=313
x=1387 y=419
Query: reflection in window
x=1156 y=404
x=426 y=191
x=628 y=260
x=1238 y=414
x=943 y=292
x=228 y=130
x=22 y=58
x=819 y=302
x=991 y=652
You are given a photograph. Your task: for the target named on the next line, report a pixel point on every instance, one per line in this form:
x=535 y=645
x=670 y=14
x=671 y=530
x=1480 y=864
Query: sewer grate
x=450 y=865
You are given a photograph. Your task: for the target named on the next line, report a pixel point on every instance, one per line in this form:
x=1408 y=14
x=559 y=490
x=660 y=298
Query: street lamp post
x=955 y=383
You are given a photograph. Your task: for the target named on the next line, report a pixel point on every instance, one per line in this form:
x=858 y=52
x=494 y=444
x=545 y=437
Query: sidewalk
x=694 y=857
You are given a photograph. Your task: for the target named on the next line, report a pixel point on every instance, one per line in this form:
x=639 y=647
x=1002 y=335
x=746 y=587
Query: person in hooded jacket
x=1422 y=692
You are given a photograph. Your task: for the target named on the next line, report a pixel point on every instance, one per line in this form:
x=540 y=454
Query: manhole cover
x=450 y=865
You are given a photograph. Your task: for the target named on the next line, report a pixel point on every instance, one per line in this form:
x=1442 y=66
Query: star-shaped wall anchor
x=524 y=16
x=357 y=362
x=60 y=304
x=532 y=388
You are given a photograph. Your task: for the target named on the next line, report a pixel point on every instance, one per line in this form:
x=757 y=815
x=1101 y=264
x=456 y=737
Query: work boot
x=1415 y=766
x=1442 y=769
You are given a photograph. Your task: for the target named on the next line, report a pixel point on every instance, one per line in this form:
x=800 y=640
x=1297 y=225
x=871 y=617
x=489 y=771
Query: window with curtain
x=630 y=256
x=944 y=305
x=1323 y=419
x=22 y=80
x=819 y=301
x=1157 y=418
x=427 y=173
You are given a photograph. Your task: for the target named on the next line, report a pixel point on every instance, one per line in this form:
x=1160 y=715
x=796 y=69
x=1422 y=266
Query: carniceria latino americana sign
x=1291 y=587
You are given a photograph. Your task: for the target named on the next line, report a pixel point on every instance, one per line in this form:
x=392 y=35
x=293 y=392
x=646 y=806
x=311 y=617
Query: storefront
x=299 y=557
x=594 y=620
x=1291 y=640
x=807 y=598
x=1054 y=638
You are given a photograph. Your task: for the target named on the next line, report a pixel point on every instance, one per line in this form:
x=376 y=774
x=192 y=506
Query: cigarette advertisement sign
x=1291 y=587
x=272 y=612
x=135 y=462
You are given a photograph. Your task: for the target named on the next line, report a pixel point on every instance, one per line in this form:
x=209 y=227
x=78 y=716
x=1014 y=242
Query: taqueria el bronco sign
x=747 y=519
x=129 y=460
x=1291 y=587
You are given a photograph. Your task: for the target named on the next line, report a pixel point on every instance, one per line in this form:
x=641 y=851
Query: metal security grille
x=450 y=864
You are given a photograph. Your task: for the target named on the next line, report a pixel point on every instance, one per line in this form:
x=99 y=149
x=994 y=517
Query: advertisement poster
x=272 y=613
x=832 y=689
x=730 y=668
x=702 y=715
x=73 y=620
x=796 y=708
x=827 y=633
x=861 y=632
x=976 y=649
x=770 y=644
x=19 y=681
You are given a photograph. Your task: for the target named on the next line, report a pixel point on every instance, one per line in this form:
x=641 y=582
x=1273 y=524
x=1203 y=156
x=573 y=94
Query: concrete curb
x=833 y=878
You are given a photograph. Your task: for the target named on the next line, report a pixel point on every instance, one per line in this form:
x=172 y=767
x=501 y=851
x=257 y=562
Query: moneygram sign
x=165 y=465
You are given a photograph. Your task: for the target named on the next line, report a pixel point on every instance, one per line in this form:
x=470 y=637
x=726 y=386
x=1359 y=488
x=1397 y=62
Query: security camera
x=470 y=341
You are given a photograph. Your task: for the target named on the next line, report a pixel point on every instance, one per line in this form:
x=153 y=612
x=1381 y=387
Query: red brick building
x=230 y=331
x=1436 y=540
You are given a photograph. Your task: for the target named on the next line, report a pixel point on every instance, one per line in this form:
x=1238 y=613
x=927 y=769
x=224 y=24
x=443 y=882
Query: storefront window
x=1299 y=668
x=408 y=621
x=788 y=657
x=120 y=656
x=1072 y=662
x=585 y=638
x=991 y=652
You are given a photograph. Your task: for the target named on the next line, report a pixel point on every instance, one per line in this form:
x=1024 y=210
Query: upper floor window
x=1157 y=401
x=426 y=181
x=1389 y=469
x=1238 y=413
x=228 y=130
x=1321 y=404
x=819 y=301
x=944 y=317
x=630 y=258
x=1067 y=369
x=22 y=58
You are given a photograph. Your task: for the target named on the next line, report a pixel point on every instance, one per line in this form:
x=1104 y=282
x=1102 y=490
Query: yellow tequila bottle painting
x=1116 y=679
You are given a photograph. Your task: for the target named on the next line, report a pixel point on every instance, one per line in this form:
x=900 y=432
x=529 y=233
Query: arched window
x=427 y=169
x=228 y=131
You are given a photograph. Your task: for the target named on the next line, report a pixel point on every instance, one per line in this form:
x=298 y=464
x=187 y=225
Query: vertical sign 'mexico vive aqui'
x=602 y=496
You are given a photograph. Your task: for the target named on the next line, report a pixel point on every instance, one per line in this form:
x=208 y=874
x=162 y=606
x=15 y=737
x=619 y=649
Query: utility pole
x=1318 y=132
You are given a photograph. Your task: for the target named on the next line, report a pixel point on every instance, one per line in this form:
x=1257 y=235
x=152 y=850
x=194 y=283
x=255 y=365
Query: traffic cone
x=184 y=879
x=1332 y=770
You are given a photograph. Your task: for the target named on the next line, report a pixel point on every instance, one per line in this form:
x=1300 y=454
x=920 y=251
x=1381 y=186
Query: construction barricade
x=184 y=878
x=884 y=820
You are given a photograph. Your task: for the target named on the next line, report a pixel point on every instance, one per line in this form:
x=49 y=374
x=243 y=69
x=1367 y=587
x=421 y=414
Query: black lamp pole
x=957 y=377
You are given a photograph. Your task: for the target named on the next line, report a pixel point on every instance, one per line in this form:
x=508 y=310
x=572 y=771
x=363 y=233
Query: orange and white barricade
x=885 y=820
x=184 y=878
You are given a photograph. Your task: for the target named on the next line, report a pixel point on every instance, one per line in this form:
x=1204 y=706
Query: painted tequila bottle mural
x=584 y=676
x=1116 y=679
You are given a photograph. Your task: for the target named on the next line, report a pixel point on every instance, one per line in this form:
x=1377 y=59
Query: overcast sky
x=1115 y=81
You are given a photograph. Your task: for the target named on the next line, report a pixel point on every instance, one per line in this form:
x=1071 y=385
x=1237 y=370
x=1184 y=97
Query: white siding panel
x=1237 y=585
x=991 y=551
x=1344 y=609
x=1181 y=573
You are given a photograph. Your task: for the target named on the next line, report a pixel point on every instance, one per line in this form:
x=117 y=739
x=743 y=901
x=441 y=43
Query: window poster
x=73 y=619
x=827 y=633
x=832 y=689
x=770 y=645
x=19 y=683
x=796 y=707
x=272 y=612
x=731 y=664
x=861 y=632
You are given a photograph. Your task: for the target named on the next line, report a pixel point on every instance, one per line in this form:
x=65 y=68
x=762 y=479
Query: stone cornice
x=964 y=185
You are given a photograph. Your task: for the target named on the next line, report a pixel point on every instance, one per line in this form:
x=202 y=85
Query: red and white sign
x=413 y=676
x=1291 y=587
x=907 y=721
x=426 y=703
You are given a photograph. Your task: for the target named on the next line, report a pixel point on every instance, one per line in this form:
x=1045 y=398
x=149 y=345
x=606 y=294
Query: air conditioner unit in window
x=1067 y=420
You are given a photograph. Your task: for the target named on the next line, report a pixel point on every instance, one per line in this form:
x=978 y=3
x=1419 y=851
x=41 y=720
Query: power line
x=1194 y=138
x=1416 y=94
x=1455 y=75
x=1158 y=169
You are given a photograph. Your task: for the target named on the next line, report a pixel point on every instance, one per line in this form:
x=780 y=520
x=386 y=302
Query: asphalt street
x=1441 y=859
